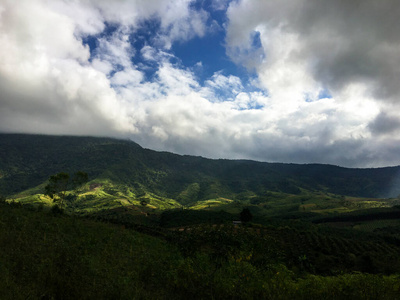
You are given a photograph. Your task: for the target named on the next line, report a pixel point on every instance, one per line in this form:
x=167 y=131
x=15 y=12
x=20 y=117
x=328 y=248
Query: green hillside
x=122 y=173
x=27 y=161
x=156 y=225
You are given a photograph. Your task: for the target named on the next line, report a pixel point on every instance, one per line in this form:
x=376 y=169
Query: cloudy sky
x=301 y=81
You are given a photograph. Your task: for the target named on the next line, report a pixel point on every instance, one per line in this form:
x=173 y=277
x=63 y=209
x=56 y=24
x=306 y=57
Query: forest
x=99 y=218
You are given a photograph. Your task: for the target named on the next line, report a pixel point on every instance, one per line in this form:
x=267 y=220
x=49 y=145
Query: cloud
x=179 y=22
x=130 y=77
x=222 y=88
x=43 y=57
x=115 y=49
x=335 y=43
x=48 y=84
x=348 y=48
x=219 y=4
x=385 y=123
x=52 y=81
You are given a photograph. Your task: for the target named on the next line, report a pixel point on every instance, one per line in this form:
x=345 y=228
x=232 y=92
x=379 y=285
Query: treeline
x=362 y=215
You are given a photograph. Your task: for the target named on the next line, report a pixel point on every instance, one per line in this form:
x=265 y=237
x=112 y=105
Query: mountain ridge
x=28 y=160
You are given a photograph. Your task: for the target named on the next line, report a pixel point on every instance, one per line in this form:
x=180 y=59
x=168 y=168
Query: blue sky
x=286 y=81
x=205 y=55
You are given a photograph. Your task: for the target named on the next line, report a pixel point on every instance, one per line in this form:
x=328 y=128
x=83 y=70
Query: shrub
x=56 y=210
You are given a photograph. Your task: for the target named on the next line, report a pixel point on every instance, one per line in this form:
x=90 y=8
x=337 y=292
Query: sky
x=303 y=81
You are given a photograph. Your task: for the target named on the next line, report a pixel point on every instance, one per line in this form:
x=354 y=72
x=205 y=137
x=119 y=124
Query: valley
x=150 y=224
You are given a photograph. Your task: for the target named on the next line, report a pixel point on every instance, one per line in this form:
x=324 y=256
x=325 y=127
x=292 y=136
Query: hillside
x=125 y=170
x=158 y=225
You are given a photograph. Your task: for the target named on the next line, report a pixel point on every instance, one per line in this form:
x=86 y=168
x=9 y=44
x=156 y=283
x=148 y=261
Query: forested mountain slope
x=28 y=160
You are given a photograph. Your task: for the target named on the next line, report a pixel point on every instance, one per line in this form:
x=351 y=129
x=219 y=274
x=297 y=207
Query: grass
x=98 y=195
x=218 y=203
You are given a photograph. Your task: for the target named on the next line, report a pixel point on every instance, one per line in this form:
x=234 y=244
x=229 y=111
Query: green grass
x=99 y=194
x=218 y=203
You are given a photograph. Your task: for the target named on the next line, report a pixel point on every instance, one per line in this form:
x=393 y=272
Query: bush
x=246 y=215
x=56 y=210
x=40 y=207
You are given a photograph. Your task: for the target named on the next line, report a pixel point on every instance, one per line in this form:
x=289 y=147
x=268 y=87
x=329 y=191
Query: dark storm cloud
x=353 y=41
x=348 y=48
x=384 y=123
x=343 y=42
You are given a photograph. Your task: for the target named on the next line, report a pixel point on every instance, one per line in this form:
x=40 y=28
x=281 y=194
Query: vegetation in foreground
x=48 y=255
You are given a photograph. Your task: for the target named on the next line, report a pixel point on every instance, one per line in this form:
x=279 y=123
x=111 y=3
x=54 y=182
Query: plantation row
x=304 y=248
x=309 y=251
x=50 y=255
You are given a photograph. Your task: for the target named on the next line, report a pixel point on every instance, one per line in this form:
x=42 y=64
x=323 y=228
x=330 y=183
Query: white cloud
x=88 y=21
x=51 y=83
x=129 y=77
x=180 y=22
x=219 y=81
x=115 y=49
x=333 y=43
x=309 y=46
x=101 y=65
x=176 y=81
x=222 y=88
x=149 y=53
x=48 y=83
x=219 y=4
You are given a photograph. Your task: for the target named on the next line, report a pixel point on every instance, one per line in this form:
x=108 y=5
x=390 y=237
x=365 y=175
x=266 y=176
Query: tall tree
x=246 y=215
x=79 y=178
x=60 y=183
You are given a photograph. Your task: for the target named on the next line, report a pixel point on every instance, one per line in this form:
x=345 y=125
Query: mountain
x=27 y=161
x=311 y=235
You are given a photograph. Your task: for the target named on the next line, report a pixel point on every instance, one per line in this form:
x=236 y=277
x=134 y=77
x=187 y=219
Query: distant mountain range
x=27 y=161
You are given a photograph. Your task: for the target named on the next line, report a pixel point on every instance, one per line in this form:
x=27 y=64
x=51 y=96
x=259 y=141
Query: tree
x=245 y=215
x=60 y=183
x=80 y=178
